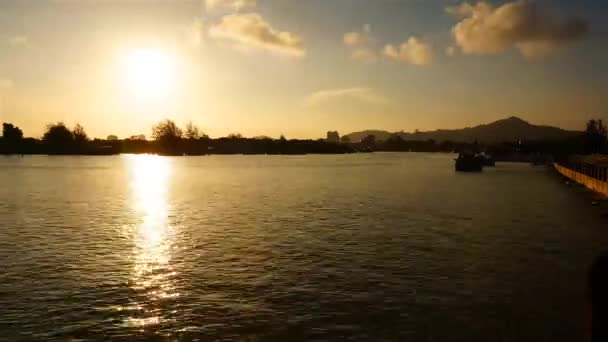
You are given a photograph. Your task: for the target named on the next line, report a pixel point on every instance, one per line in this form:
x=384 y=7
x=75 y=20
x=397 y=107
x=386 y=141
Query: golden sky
x=300 y=68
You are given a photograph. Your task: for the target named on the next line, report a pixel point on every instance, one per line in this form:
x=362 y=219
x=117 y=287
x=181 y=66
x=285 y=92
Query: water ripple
x=361 y=247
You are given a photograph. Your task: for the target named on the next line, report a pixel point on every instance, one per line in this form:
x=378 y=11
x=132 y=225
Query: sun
x=149 y=73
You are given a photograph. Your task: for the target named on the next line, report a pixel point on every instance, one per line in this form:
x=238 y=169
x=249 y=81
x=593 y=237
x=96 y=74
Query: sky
x=300 y=67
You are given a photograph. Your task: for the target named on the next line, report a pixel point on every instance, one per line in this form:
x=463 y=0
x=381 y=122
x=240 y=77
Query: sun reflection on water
x=152 y=275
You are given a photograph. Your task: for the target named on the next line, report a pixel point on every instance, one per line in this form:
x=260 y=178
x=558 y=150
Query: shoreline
x=591 y=183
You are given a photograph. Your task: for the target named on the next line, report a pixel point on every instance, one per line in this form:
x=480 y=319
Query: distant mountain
x=510 y=129
x=358 y=136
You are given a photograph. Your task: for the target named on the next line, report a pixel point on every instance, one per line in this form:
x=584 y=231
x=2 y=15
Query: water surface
x=361 y=247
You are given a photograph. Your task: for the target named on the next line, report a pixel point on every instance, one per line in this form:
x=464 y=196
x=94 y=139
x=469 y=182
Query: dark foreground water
x=361 y=247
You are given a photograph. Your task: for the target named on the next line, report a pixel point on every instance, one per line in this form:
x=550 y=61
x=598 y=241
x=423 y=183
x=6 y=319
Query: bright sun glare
x=150 y=73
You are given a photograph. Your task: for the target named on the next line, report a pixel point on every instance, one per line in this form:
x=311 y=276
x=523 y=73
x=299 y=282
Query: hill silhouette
x=509 y=129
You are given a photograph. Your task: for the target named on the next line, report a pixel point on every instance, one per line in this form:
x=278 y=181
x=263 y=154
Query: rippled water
x=362 y=247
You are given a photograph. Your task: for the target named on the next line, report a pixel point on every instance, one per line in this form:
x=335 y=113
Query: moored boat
x=486 y=159
x=469 y=163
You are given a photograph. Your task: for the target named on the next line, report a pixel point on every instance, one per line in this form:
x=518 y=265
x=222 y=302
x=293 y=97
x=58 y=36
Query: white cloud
x=361 y=45
x=358 y=38
x=18 y=40
x=413 y=51
x=354 y=38
x=252 y=31
x=229 y=5
x=362 y=94
x=486 y=29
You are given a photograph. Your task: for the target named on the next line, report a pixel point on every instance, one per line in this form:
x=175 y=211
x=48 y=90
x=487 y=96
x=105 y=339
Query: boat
x=467 y=162
x=486 y=159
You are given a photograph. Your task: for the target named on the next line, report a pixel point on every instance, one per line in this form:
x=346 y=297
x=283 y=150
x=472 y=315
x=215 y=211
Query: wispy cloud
x=250 y=30
x=362 y=94
x=521 y=24
x=412 y=51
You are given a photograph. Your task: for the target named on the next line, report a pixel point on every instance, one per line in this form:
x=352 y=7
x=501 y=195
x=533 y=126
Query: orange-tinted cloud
x=413 y=51
x=361 y=94
x=252 y=31
x=361 y=44
x=486 y=29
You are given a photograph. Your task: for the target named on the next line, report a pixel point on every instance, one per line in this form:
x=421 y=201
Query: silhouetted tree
x=345 y=139
x=112 y=137
x=235 y=136
x=192 y=132
x=394 y=143
x=58 y=139
x=595 y=136
x=203 y=144
x=195 y=144
x=369 y=140
x=11 y=132
x=168 y=136
x=80 y=136
x=12 y=138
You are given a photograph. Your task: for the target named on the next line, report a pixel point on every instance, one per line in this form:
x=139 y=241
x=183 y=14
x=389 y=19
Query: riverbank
x=193 y=147
x=589 y=182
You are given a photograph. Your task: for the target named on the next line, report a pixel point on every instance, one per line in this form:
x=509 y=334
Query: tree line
x=169 y=139
x=57 y=139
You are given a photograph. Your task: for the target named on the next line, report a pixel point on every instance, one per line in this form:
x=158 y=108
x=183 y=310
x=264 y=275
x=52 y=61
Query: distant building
x=333 y=137
x=112 y=137
x=138 y=137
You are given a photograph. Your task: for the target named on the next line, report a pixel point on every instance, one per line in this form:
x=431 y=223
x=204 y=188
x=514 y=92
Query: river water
x=348 y=247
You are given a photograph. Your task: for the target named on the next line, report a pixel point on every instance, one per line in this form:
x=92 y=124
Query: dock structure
x=590 y=171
